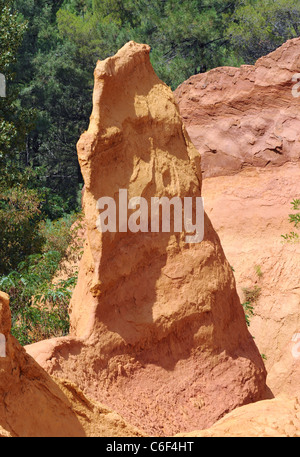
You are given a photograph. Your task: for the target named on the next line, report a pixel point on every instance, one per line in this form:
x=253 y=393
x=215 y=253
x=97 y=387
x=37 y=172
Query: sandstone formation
x=250 y=213
x=157 y=329
x=247 y=116
x=279 y=417
x=96 y=419
x=244 y=122
x=34 y=405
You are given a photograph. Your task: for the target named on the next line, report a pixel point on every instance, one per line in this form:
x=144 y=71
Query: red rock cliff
x=247 y=116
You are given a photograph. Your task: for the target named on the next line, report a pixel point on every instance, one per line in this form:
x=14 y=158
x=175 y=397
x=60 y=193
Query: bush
x=258 y=271
x=293 y=237
x=57 y=235
x=39 y=306
x=248 y=309
x=19 y=220
x=251 y=297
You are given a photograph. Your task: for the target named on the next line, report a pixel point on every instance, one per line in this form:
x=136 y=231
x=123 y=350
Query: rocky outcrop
x=247 y=116
x=34 y=405
x=245 y=124
x=250 y=213
x=157 y=329
x=279 y=417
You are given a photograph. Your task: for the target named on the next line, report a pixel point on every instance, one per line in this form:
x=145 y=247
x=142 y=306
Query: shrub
x=248 y=309
x=293 y=237
x=57 y=235
x=19 y=220
x=39 y=306
x=258 y=271
x=251 y=297
x=251 y=294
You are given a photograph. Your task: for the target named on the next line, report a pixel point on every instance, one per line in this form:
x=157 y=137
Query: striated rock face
x=247 y=116
x=157 y=329
x=34 y=405
x=245 y=124
x=279 y=417
x=254 y=247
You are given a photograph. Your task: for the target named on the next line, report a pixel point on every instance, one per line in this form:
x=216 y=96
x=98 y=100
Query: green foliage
x=257 y=28
x=58 y=234
x=39 y=308
x=185 y=37
x=13 y=119
x=19 y=219
x=11 y=33
x=189 y=38
x=292 y=237
x=39 y=304
x=248 y=309
x=251 y=296
x=258 y=271
x=294 y=218
x=57 y=88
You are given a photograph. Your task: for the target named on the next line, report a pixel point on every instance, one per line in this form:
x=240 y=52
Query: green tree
x=38 y=301
x=12 y=118
x=258 y=28
x=52 y=82
x=190 y=38
x=185 y=37
x=19 y=219
x=19 y=206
